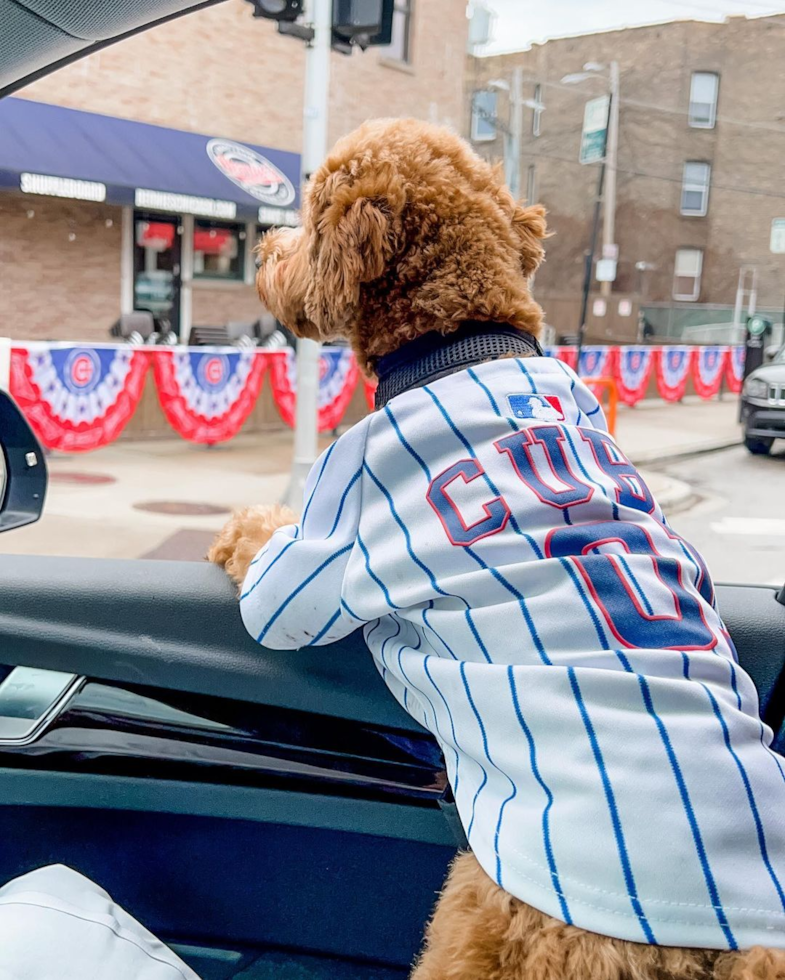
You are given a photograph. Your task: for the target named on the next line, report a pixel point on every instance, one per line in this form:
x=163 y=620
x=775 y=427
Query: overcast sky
x=522 y=22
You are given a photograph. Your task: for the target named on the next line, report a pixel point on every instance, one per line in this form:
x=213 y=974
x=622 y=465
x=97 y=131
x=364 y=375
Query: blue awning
x=51 y=150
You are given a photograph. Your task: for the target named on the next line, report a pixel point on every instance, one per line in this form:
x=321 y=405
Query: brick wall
x=52 y=288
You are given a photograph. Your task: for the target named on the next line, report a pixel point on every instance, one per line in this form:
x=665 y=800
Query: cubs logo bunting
x=206 y=396
x=673 y=371
x=77 y=398
x=708 y=370
x=597 y=362
x=633 y=370
x=735 y=367
x=338 y=377
x=567 y=354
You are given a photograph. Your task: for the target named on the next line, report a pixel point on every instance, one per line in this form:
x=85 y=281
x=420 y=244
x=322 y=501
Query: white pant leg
x=55 y=924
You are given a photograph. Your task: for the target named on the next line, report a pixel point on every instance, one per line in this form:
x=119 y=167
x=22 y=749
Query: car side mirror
x=22 y=468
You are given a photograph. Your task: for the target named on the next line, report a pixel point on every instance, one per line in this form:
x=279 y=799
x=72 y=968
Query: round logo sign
x=251 y=172
x=82 y=371
x=213 y=370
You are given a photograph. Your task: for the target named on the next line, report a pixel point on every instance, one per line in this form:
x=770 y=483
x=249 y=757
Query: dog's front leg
x=245 y=535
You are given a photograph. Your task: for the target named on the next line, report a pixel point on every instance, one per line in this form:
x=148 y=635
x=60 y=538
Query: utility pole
x=611 y=160
x=516 y=133
x=315 y=106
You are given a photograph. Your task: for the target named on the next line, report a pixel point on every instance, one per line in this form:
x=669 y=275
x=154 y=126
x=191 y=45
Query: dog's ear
x=530 y=227
x=355 y=239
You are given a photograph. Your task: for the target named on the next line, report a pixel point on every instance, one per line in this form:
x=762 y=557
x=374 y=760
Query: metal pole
x=315 y=106
x=587 y=270
x=609 y=223
x=516 y=132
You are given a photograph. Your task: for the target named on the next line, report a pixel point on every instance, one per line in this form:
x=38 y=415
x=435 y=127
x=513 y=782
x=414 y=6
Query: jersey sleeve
x=291 y=597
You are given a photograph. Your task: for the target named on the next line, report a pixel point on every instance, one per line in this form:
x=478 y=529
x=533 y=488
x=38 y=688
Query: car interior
x=254 y=809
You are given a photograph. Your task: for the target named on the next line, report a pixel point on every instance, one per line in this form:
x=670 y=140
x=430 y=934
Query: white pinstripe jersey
x=526 y=601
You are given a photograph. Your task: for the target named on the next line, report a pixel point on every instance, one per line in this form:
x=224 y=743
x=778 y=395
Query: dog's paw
x=244 y=535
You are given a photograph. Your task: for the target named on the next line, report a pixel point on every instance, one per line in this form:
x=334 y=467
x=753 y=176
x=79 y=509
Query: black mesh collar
x=434 y=356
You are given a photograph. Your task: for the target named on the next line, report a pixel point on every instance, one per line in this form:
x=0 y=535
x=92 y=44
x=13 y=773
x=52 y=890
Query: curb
x=697 y=449
x=672 y=495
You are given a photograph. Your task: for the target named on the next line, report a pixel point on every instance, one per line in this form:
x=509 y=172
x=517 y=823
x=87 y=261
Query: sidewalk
x=98 y=503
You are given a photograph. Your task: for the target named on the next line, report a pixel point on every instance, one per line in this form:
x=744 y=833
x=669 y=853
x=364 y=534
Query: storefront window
x=219 y=250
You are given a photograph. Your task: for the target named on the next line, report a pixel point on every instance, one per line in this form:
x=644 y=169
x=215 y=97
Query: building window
x=537 y=113
x=695 y=188
x=687 y=273
x=219 y=250
x=703 y=99
x=484 y=117
x=401 y=44
x=531 y=184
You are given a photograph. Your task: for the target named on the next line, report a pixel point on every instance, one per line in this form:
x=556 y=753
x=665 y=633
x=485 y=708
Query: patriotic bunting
x=338 y=377
x=673 y=371
x=369 y=387
x=77 y=398
x=80 y=397
x=735 y=367
x=633 y=370
x=206 y=395
x=597 y=362
x=708 y=369
x=567 y=354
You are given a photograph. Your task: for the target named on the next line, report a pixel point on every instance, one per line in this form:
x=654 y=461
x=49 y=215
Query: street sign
x=625 y=307
x=777 y=242
x=595 y=129
x=606 y=270
x=599 y=307
x=610 y=251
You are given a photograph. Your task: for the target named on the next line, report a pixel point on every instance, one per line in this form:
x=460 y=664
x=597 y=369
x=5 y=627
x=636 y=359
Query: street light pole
x=516 y=132
x=611 y=160
x=315 y=107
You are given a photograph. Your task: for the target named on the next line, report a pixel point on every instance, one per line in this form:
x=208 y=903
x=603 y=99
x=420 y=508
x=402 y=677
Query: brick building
x=108 y=201
x=699 y=178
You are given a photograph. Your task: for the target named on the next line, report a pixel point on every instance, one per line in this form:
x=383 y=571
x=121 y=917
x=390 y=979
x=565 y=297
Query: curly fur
x=245 y=534
x=406 y=231
x=479 y=932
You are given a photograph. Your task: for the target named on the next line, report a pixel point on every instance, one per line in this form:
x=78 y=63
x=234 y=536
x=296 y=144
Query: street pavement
x=738 y=524
x=167 y=498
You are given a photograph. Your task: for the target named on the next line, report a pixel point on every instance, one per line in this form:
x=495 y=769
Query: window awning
x=59 y=152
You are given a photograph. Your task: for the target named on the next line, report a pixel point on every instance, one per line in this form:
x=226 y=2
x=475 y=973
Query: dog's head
x=405 y=230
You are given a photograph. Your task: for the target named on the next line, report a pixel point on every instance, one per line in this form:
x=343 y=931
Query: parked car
x=763 y=405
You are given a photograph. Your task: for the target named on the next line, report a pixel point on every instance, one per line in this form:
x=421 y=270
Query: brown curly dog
x=407 y=232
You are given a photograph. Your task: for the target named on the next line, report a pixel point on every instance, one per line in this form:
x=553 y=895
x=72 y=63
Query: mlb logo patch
x=545 y=408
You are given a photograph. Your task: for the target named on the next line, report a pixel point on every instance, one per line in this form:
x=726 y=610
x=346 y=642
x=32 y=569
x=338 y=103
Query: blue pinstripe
x=275 y=560
x=572 y=387
x=546 y=830
x=455 y=742
x=636 y=585
x=325 y=629
x=610 y=798
x=764 y=851
x=601 y=636
x=333 y=557
x=373 y=574
x=697 y=838
x=327 y=456
x=488 y=756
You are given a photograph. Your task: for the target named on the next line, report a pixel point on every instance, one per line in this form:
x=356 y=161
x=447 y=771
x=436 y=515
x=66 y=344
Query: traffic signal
x=363 y=22
x=281 y=10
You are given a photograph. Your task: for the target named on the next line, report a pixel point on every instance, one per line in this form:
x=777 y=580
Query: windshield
x=139 y=180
